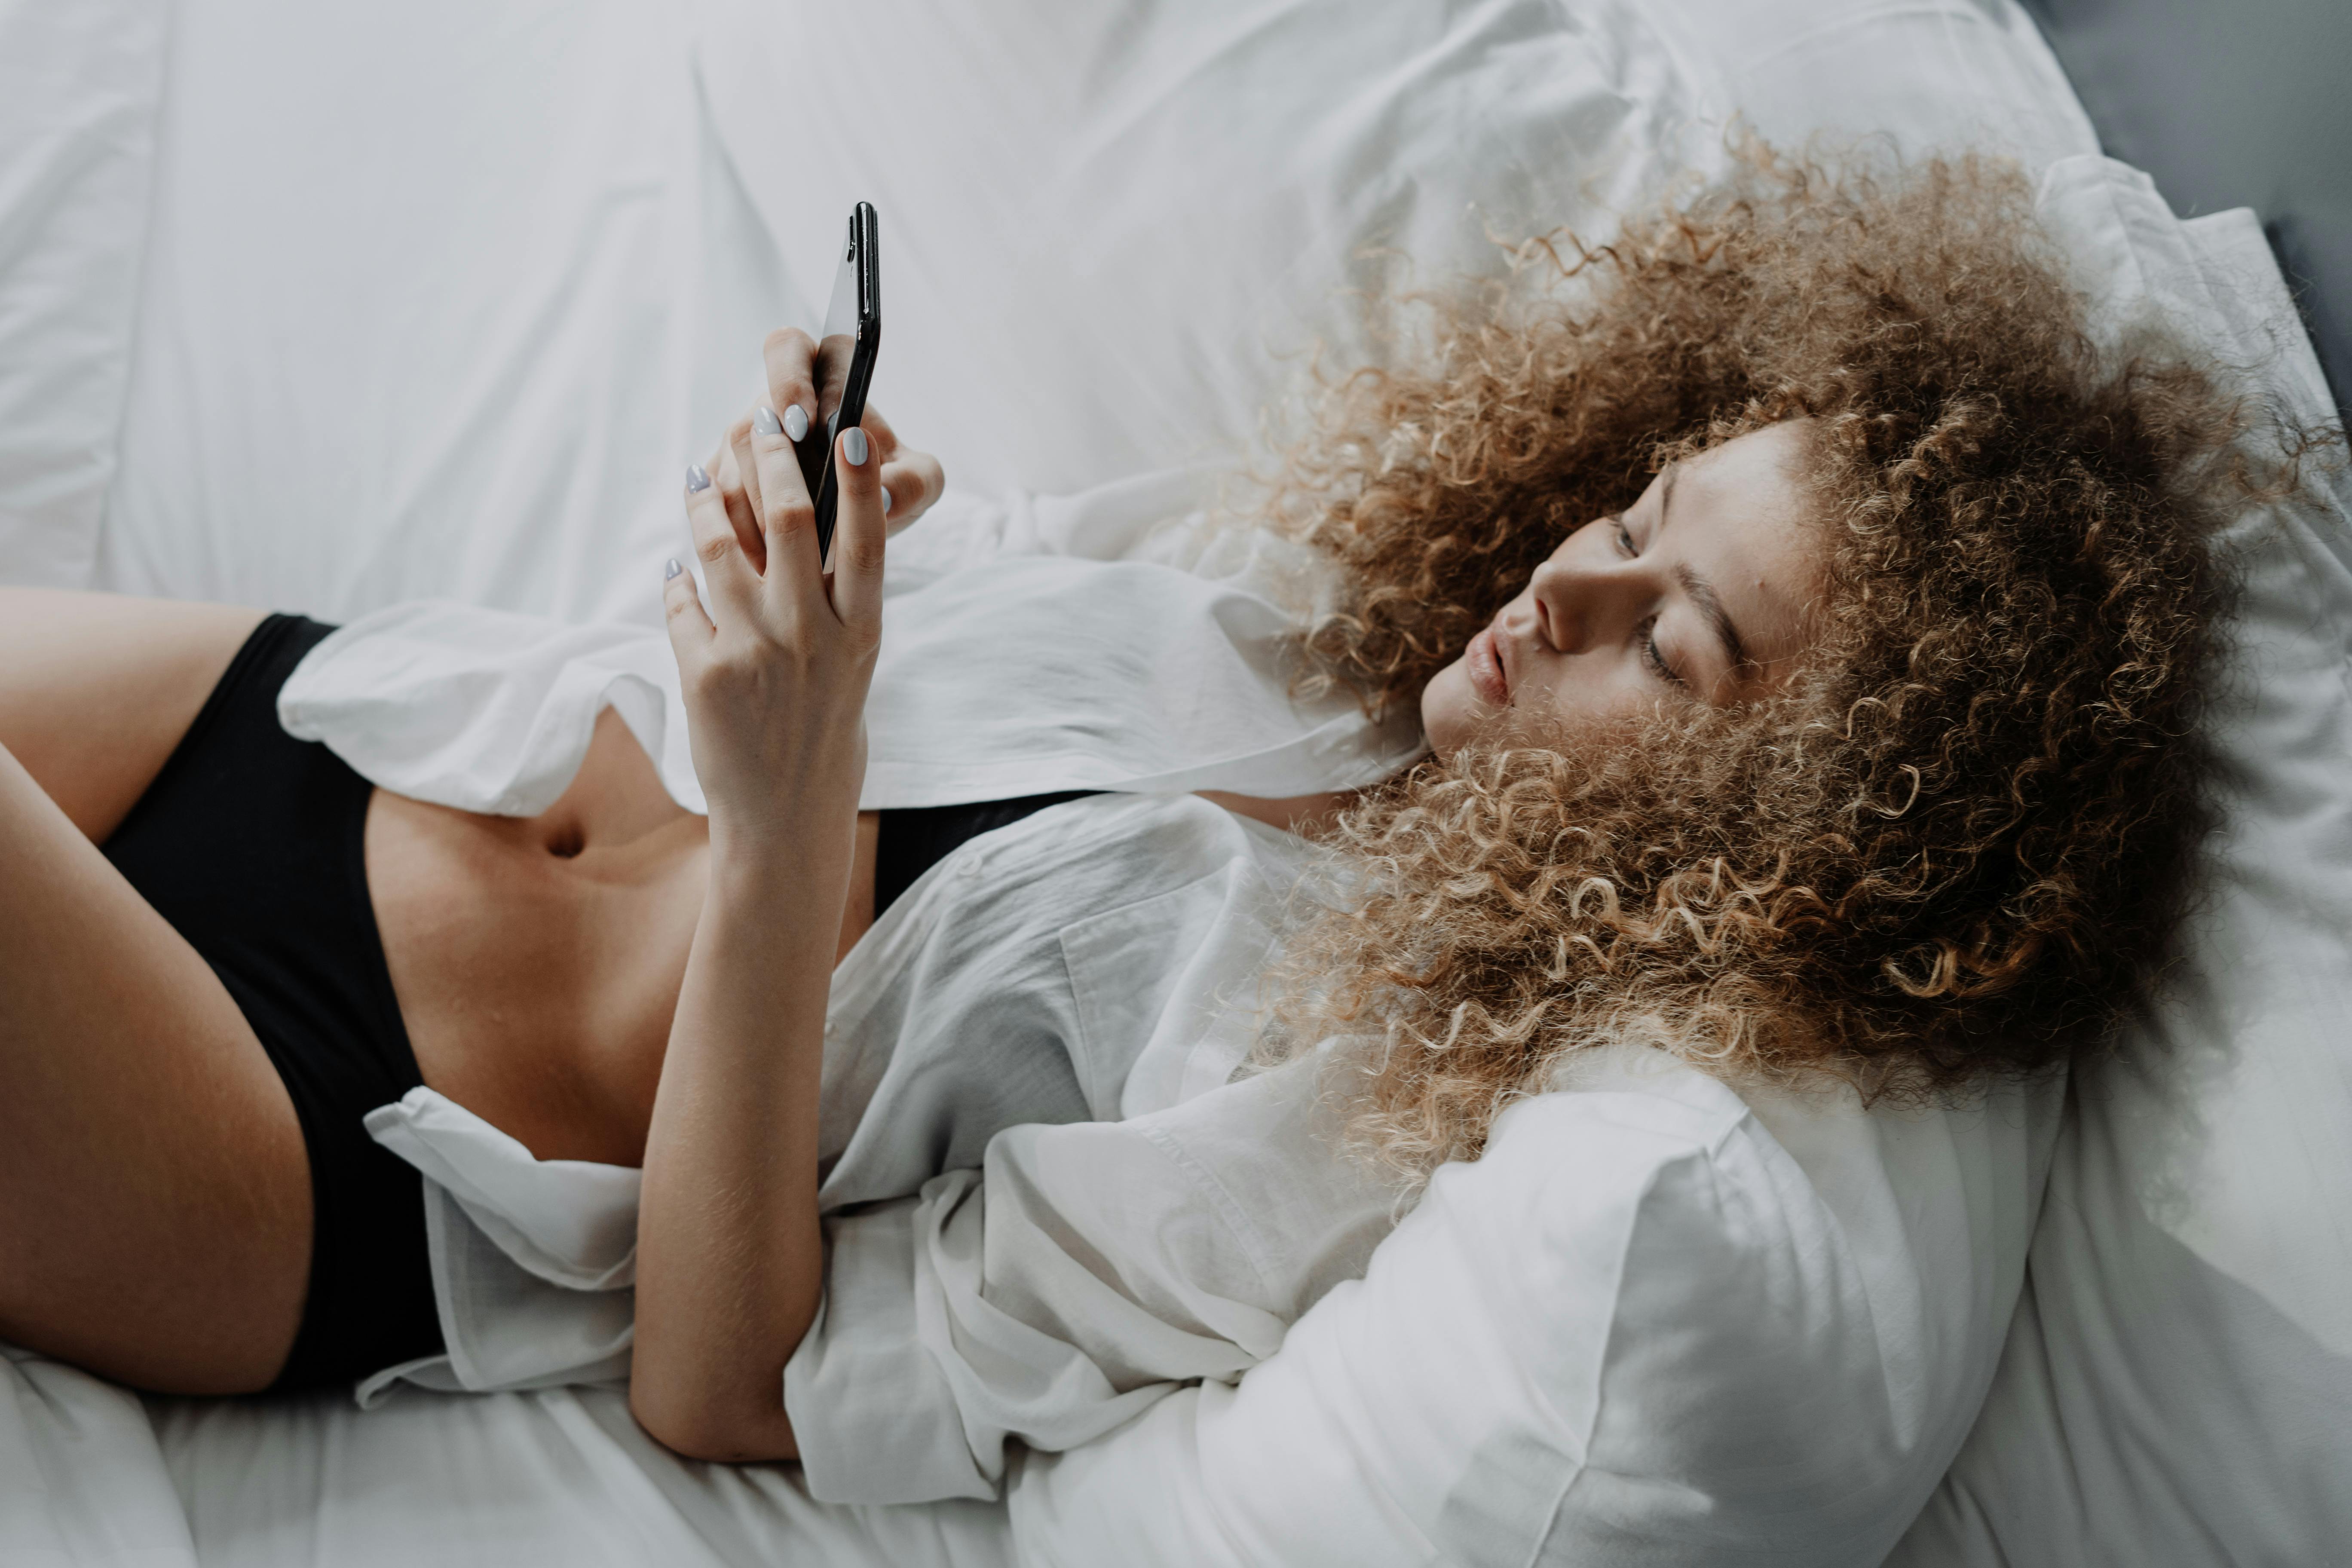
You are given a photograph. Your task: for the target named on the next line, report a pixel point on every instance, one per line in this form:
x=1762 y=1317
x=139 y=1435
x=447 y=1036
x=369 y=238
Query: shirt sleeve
x=1083 y=1274
x=485 y=710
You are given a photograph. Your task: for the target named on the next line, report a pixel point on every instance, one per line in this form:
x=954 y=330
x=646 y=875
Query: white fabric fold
x=1097 y=641
x=572 y=1223
x=1082 y=1273
x=533 y=1260
x=484 y=710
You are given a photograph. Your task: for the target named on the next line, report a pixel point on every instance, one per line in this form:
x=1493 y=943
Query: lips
x=1483 y=662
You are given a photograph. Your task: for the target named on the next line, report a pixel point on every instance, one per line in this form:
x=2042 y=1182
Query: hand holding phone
x=827 y=378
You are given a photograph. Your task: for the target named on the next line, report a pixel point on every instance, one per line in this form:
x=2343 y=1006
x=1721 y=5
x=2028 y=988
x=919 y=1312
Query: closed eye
x=1654 y=659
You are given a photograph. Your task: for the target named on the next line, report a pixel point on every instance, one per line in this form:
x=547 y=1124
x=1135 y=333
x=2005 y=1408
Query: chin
x=1446 y=705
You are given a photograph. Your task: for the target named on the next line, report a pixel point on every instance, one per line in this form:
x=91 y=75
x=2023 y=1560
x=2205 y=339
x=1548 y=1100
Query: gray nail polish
x=764 y=420
x=670 y=568
x=696 y=480
x=852 y=446
x=795 y=421
x=886 y=500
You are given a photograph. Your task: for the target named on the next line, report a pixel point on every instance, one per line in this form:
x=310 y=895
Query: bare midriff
x=536 y=961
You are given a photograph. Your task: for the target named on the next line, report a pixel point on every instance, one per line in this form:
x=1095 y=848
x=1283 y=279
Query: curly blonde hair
x=1958 y=842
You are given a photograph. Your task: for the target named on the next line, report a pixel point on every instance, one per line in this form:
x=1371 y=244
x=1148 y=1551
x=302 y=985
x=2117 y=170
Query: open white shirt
x=1086 y=643
x=1060 y=1228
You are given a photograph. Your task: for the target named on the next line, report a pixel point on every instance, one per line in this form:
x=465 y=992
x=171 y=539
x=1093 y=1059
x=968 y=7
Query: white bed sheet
x=91 y=1475
x=560 y=1477
x=410 y=321
x=78 y=87
x=438 y=297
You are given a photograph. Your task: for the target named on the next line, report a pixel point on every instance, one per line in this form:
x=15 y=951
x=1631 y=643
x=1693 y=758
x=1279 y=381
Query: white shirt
x=1072 y=1260
x=1049 y=1208
x=1103 y=641
x=1062 y=1000
x=1091 y=642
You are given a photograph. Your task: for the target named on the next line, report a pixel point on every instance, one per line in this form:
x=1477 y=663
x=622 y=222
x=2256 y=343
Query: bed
x=328 y=306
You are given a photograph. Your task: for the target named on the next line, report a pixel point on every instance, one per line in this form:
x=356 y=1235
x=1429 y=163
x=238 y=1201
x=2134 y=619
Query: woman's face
x=1702 y=590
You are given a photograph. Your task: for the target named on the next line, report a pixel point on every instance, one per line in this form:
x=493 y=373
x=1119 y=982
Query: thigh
x=155 y=1190
x=97 y=688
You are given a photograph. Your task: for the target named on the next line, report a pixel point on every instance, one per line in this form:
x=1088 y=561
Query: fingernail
x=696 y=480
x=852 y=446
x=886 y=500
x=795 y=421
x=764 y=420
x=670 y=568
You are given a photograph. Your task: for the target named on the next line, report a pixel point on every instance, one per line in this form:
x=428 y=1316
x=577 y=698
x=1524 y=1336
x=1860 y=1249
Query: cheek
x=1569 y=704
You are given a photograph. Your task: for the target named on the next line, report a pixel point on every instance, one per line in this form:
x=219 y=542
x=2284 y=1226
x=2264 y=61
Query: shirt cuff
x=875 y=1419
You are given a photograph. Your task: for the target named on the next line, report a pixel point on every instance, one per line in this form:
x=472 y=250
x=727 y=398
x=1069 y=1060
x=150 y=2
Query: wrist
x=763 y=806
x=799 y=856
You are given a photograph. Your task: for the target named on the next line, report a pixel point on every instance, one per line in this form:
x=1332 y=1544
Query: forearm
x=774 y=672
x=730 y=1257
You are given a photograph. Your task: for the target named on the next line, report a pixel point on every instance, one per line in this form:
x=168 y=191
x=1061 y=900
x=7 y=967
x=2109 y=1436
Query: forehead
x=1737 y=519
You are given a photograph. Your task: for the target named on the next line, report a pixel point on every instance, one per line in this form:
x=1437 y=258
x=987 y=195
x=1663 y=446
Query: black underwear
x=250 y=843
x=910 y=842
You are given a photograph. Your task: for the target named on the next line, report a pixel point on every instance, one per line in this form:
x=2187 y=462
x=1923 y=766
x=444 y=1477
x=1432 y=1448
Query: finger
x=858 y=534
x=790 y=355
x=878 y=431
x=787 y=516
x=731 y=581
x=739 y=488
x=911 y=484
x=690 y=630
x=746 y=459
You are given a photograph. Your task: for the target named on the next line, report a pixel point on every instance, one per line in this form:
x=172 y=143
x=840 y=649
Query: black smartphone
x=846 y=348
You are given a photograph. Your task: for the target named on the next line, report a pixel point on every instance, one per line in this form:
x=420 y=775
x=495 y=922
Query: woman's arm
x=730 y=1257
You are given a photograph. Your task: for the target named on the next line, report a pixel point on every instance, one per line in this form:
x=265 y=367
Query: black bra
x=912 y=841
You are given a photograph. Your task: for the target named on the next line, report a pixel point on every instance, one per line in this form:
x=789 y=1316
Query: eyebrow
x=1701 y=592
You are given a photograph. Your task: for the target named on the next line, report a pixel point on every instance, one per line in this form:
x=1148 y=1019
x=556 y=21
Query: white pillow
x=1103 y=228
x=79 y=86
x=2178 y=1385
x=1629 y=1336
x=1655 y=1324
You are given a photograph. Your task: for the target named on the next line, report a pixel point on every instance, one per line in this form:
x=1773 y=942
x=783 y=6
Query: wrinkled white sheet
x=563 y=1477
x=79 y=86
x=91 y=1476
x=412 y=310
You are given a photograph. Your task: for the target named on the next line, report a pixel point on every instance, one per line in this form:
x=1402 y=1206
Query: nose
x=1583 y=604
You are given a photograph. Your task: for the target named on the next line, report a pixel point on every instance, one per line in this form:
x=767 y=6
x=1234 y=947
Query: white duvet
x=435 y=299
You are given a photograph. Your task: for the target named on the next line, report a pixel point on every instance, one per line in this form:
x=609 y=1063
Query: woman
x=1808 y=628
